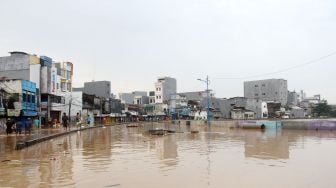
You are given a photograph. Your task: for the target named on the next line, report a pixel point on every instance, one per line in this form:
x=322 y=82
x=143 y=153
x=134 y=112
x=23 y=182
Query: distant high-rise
x=267 y=90
x=164 y=87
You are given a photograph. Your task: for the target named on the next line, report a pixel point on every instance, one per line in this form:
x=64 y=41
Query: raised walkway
x=21 y=141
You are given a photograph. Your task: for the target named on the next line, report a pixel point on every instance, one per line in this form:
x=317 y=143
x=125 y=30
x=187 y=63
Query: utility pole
x=207 y=82
x=70 y=102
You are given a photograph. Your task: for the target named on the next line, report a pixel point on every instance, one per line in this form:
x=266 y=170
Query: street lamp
x=207 y=82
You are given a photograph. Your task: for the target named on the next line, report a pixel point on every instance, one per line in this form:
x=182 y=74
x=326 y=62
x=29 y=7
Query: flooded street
x=218 y=157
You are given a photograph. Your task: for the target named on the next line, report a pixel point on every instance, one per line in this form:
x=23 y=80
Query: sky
x=131 y=42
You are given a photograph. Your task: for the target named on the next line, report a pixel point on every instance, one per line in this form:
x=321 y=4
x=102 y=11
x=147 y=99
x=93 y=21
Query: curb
x=24 y=144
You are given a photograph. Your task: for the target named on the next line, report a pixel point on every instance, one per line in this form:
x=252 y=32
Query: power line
x=315 y=61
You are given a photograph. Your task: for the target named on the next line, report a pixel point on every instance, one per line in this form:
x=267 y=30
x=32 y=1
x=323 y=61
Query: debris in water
x=115 y=185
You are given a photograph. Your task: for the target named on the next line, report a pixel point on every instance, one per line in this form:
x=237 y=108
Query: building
x=141 y=100
x=21 y=101
x=242 y=113
x=267 y=90
x=128 y=98
x=240 y=105
x=98 y=88
x=41 y=71
x=65 y=72
x=293 y=98
x=152 y=97
x=164 y=87
x=178 y=106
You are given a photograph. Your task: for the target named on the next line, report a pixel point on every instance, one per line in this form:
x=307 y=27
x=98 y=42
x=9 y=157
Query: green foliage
x=13 y=98
x=323 y=109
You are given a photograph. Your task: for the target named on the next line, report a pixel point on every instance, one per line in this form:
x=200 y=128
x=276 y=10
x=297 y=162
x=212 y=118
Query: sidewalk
x=8 y=142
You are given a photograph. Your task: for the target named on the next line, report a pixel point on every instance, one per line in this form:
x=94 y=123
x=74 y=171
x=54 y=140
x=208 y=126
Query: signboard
x=53 y=80
x=2 y=111
x=13 y=112
x=44 y=105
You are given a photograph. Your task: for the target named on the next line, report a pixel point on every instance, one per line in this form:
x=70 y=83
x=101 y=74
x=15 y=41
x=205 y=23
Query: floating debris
x=115 y=185
x=159 y=132
x=130 y=126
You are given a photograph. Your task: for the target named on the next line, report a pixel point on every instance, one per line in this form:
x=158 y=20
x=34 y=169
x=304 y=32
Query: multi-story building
x=65 y=72
x=152 y=97
x=21 y=100
x=98 y=88
x=164 y=88
x=267 y=90
x=293 y=98
x=42 y=72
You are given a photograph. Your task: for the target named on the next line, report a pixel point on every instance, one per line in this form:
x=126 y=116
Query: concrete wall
x=35 y=74
x=15 y=66
x=267 y=90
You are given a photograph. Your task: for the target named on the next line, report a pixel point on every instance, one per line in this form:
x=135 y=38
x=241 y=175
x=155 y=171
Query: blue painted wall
x=29 y=101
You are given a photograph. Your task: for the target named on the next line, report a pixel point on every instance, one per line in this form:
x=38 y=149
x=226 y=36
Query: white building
x=164 y=88
x=65 y=72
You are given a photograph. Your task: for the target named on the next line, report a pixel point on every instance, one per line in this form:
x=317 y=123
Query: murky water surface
x=128 y=157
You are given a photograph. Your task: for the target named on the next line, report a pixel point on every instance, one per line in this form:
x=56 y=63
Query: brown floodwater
x=218 y=157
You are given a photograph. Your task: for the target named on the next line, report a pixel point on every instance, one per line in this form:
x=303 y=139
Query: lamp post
x=207 y=82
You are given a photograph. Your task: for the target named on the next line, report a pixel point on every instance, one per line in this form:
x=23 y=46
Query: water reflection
x=114 y=156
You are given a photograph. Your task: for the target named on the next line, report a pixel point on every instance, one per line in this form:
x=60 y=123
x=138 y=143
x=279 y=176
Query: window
x=29 y=97
x=256 y=94
x=263 y=85
x=256 y=86
x=276 y=93
x=24 y=96
x=264 y=94
x=33 y=98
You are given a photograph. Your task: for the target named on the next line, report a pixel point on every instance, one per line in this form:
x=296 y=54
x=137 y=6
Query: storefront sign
x=13 y=112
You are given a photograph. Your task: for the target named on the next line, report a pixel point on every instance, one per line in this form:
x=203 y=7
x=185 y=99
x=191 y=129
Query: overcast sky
x=132 y=42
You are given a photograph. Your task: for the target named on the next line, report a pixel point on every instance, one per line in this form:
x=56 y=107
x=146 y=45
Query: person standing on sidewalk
x=78 y=120
x=36 y=123
x=65 y=121
x=28 y=126
x=9 y=126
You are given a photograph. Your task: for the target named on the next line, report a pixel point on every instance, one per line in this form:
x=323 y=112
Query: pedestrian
x=18 y=127
x=28 y=126
x=36 y=123
x=88 y=120
x=9 y=126
x=65 y=120
x=78 y=120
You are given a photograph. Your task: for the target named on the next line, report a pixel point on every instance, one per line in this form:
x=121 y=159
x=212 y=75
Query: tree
x=322 y=109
